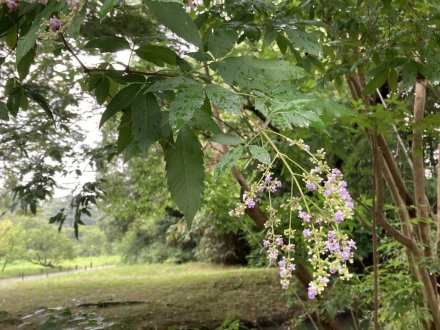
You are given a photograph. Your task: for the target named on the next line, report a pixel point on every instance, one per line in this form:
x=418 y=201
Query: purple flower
x=352 y=244
x=266 y=243
x=292 y=267
x=332 y=243
x=315 y=170
x=344 y=194
x=289 y=247
x=12 y=4
x=283 y=272
x=336 y=173
x=306 y=232
x=282 y=263
x=312 y=292
x=342 y=184
x=331 y=234
x=55 y=24
x=306 y=147
x=279 y=241
x=272 y=254
x=311 y=186
x=277 y=183
x=345 y=254
x=250 y=203
x=349 y=204
x=339 y=216
x=260 y=187
x=268 y=179
x=328 y=191
x=304 y=215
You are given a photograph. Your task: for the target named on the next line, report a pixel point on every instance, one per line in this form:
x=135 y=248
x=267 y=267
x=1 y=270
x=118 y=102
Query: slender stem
x=305 y=310
x=378 y=205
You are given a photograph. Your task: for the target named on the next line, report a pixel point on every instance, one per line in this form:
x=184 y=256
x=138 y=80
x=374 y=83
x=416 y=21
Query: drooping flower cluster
x=55 y=24
x=319 y=212
x=14 y=4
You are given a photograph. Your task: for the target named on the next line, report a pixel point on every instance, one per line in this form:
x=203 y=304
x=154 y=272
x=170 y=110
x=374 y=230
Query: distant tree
x=46 y=246
x=11 y=242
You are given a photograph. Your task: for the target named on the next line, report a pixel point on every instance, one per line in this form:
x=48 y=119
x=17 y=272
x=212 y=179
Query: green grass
x=27 y=268
x=182 y=295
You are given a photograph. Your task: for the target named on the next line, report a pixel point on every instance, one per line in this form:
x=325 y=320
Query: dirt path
x=46 y=275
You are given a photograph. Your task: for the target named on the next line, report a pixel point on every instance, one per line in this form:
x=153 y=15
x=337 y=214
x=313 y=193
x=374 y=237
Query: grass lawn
x=16 y=269
x=185 y=296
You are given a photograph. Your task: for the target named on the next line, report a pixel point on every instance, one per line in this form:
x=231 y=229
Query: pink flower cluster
x=320 y=207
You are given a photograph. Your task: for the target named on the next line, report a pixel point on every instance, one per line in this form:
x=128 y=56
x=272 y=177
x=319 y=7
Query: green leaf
x=41 y=101
x=228 y=160
x=120 y=101
x=184 y=106
x=93 y=80
x=223 y=98
x=172 y=83
x=269 y=37
x=106 y=7
x=221 y=42
x=175 y=18
x=409 y=75
x=260 y=154
x=102 y=90
x=392 y=80
x=109 y=44
x=282 y=43
x=251 y=32
x=301 y=119
x=11 y=38
x=202 y=119
x=185 y=173
x=225 y=138
x=200 y=56
x=296 y=110
x=75 y=26
x=377 y=81
x=3 y=112
x=25 y=64
x=304 y=40
x=14 y=100
x=124 y=137
x=145 y=120
x=157 y=54
x=254 y=73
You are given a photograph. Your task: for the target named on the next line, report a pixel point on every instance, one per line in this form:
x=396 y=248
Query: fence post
x=76 y=267
x=22 y=276
x=91 y=265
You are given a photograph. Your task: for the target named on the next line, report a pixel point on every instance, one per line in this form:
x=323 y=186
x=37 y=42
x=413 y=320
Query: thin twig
x=305 y=310
x=127 y=70
x=399 y=138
